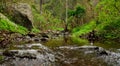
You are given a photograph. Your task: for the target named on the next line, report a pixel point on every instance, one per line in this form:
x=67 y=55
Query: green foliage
x=34 y=30
x=84 y=29
x=79 y=42
x=79 y=12
x=56 y=28
x=71 y=13
x=56 y=8
x=108 y=19
x=76 y=15
x=10 y=26
x=109 y=30
x=43 y=20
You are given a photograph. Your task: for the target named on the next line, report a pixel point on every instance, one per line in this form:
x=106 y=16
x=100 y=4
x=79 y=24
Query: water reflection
x=78 y=57
x=65 y=38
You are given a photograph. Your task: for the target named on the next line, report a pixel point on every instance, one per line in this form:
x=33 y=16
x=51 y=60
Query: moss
x=79 y=41
x=35 y=47
x=10 y=26
x=1 y=58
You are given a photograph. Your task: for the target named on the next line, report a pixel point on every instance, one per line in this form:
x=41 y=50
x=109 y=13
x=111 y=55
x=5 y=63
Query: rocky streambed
x=39 y=55
x=26 y=56
x=56 y=49
x=7 y=38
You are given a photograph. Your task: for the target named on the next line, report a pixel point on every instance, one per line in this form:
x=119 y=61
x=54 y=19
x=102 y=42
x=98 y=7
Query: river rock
x=43 y=39
x=80 y=47
x=42 y=53
x=44 y=35
x=17 y=35
x=103 y=53
x=87 y=49
x=21 y=14
x=31 y=35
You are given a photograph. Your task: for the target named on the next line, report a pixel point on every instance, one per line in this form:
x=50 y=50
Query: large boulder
x=21 y=14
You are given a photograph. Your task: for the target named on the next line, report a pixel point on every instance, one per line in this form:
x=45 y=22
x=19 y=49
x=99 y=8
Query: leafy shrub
x=42 y=21
x=84 y=29
x=109 y=30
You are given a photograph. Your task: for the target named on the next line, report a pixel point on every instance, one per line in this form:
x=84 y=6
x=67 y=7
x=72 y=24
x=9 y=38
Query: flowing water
x=65 y=51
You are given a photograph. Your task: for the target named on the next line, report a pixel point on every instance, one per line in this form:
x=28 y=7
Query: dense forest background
x=79 y=17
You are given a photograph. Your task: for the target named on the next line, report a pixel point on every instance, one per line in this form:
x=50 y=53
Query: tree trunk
x=66 y=22
x=41 y=6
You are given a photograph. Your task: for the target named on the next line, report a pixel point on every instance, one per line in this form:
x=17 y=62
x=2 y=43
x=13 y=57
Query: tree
x=77 y=14
x=41 y=1
x=66 y=22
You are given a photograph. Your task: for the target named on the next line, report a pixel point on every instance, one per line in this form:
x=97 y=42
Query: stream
x=64 y=51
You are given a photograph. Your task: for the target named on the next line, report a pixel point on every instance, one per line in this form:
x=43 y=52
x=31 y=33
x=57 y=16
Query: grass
x=35 y=30
x=105 y=30
x=79 y=41
x=10 y=26
x=56 y=28
x=84 y=29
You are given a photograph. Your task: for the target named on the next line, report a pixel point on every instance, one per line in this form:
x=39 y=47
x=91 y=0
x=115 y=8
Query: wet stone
x=42 y=55
x=27 y=55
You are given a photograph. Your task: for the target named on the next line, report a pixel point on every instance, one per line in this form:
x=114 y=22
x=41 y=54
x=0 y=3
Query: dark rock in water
x=103 y=53
x=44 y=39
x=31 y=35
x=20 y=54
x=4 y=43
x=96 y=48
x=9 y=53
x=91 y=37
x=36 y=39
x=44 y=35
x=27 y=55
x=6 y=53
